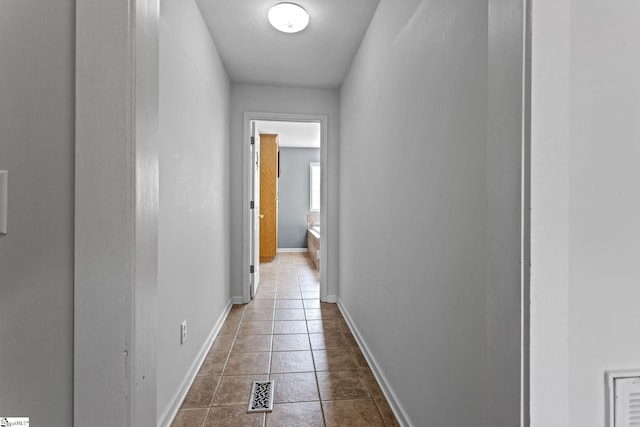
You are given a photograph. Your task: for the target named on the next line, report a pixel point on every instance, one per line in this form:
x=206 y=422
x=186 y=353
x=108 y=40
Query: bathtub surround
x=313 y=220
x=313 y=238
x=313 y=243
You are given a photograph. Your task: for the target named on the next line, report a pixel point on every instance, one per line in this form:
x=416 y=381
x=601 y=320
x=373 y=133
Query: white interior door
x=254 y=257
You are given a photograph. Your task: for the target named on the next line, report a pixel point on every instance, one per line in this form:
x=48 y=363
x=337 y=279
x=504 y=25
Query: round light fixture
x=288 y=17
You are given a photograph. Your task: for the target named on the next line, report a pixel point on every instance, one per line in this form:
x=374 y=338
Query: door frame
x=254 y=216
x=247 y=117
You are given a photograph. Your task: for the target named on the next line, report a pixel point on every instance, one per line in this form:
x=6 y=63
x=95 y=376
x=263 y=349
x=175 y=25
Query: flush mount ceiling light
x=288 y=17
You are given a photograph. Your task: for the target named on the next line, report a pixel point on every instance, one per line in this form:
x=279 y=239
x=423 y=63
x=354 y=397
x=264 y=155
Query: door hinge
x=251 y=269
x=253 y=140
x=252 y=205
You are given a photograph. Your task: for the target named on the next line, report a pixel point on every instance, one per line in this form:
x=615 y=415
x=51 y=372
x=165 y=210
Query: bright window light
x=288 y=17
x=314 y=190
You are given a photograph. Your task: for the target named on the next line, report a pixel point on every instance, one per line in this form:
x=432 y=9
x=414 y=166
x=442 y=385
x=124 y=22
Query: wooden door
x=268 y=197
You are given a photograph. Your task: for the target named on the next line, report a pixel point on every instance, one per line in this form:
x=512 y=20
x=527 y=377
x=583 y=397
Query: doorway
x=250 y=257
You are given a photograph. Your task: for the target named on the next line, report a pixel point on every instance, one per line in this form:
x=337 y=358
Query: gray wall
x=604 y=201
x=277 y=99
x=504 y=222
x=37 y=42
x=585 y=205
x=550 y=142
x=293 y=195
x=413 y=239
x=193 y=235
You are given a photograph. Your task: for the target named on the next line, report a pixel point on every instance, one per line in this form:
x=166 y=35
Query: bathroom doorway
x=301 y=195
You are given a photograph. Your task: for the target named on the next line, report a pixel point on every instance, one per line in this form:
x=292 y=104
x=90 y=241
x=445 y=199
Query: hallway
x=482 y=196
x=286 y=334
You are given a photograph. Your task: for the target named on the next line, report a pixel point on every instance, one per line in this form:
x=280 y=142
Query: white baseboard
x=237 y=300
x=332 y=299
x=167 y=416
x=391 y=397
x=284 y=250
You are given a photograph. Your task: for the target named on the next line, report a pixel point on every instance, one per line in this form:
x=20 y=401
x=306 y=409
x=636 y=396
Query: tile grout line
x=244 y=311
x=313 y=357
x=273 y=326
x=204 y=420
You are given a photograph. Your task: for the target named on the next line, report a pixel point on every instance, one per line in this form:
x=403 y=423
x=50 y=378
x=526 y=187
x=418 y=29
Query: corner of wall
x=397 y=408
x=333 y=299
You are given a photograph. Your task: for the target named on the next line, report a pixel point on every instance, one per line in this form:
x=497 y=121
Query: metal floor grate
x=261 y=397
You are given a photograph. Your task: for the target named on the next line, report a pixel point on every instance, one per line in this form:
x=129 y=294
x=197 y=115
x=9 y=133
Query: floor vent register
x=261 y=397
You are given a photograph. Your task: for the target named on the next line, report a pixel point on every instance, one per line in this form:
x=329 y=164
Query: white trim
x=4 y=190
x=115 y=212
x=333 y=299
x=525 y=224
x=285 y=250
x=167 y=416
x=237 y=300
x=392 y=399
x=323 y=119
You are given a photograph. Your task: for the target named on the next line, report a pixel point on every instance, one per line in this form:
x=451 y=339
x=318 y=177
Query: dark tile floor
x=286 y=334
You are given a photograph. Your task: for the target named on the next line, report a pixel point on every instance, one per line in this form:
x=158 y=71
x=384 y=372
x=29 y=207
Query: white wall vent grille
x=623 y=395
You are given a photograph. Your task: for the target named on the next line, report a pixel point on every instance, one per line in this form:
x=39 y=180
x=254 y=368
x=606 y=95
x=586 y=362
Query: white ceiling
x=292 y=134
x=255 y=52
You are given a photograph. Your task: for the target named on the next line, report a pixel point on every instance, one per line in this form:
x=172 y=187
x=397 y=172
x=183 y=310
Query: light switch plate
x=4 y=189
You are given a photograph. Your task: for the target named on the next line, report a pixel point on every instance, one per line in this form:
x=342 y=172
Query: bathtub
x=313 y=245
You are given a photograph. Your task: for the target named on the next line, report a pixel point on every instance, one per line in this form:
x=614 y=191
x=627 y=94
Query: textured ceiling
x=254 y=52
